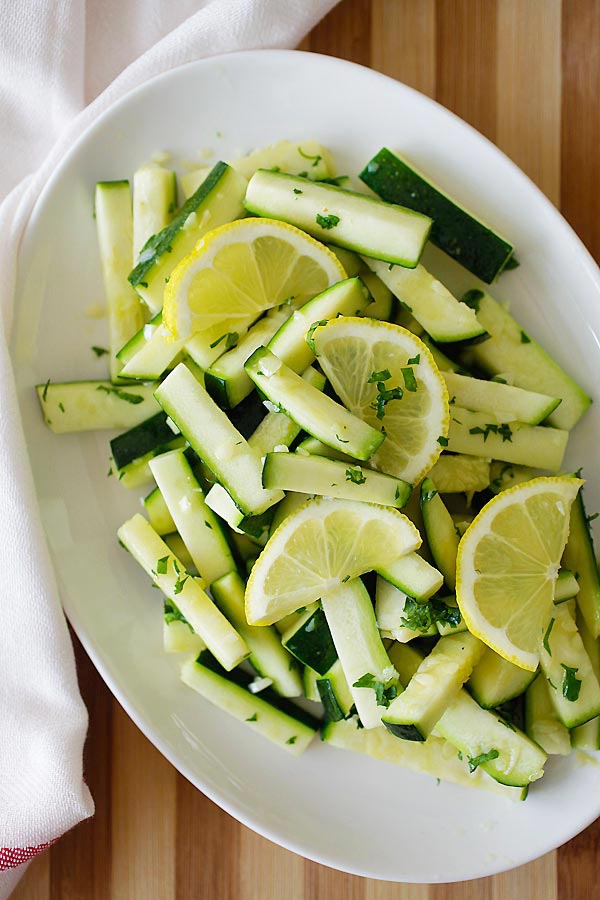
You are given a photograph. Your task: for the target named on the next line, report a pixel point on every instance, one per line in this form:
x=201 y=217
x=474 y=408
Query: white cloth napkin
x=62 y=62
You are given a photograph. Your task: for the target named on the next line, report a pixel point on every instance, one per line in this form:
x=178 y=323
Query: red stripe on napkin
x=10 y=857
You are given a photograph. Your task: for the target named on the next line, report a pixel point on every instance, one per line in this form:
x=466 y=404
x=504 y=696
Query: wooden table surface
x=526 y=73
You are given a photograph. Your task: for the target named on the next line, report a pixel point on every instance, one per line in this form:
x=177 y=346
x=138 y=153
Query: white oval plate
x=343 y=810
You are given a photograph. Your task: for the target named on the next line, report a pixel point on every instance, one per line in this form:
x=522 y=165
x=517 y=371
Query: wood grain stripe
x=529 y=101
x=143 y=796
x=580 y=158
x=345 y=32
x=207 y=848
x=466 y=61
x=81 y=861
x=403 y=41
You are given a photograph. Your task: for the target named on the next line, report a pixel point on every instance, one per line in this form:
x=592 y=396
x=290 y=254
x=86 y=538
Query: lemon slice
x=507 y=566
x=241 y=269
x=352 y=353
x=321 y=545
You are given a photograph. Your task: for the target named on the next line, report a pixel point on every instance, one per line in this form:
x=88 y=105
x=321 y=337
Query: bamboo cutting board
x=526 y=73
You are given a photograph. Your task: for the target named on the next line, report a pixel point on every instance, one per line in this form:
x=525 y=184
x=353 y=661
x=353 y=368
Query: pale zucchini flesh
x=347 y=298
x=444 y=317
x=216 y=441
x=541 y=722
x=391 y=611
x=266 y=714
x=277 y=429
x=478 y=434
x=154 y=202
x=440 y=531
x=435 y=756
x=185 y=592
x=267 y=655
x=511 y=350
x=414 y=576
x=71 y=406
x=114 y=225
x=574 y=687
x=158 y=513
x=318 y=414
x=217 y=201
x=414 y=713
x=579 y=556
x=495 y=680
x=505 y=401
x=197 y=524
x=331 y=478
x=351 y=619
x=350 y=220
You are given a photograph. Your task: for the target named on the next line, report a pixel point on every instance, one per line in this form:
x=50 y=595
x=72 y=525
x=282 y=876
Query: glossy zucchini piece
x=541 y=722
x=440 y=531
x=457 y=232
x=309 y=640
x=495 y=680
x=70 y=406
x=579 y=556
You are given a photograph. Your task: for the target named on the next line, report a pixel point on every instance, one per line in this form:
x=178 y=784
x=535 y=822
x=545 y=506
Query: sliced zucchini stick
x=579 y=556
x=440 y=531
x=414 y=576
x=70 y=406
x=495 y=680
x=185 y=593
x=154 y=202
x=541 y=722
x=504 y=401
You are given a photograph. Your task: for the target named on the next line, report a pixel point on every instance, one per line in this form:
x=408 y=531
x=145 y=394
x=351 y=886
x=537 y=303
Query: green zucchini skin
x=140 y=440
x=311 y=642
x=455 y=231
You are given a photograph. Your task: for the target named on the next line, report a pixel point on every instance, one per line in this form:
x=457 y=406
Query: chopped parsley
x=588 y=519
x=327 y=222
x=384 y=375
x=341 y=440
x=61 y=407
x=292 y=740
x=426 y=496
x=162 y=565
x=109 y=473
x=414 y=360
x=410 y=382
x=316 y=158
x=298 y=191
x=476 y=761
x=546 y=637
x=252 y=718
x=231 y=338
x=504 y=430
x=570 y=684
x=385 y=396
x=173 y=614
x=524 y=338
x=346 y=577
x=383 y=695
x=355 y=475
x=100 y=351
x=421 y=616
x=45 y=391
x=122 y=395
x=460 y=756
x=473 y=299
x=452 y=401
x=442 y=441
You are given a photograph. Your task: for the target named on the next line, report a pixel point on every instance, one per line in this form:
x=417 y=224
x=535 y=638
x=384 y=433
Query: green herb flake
x=504 y=431
x=452 y=401
x=231 y=338
x=298 y=191
x=524 y=338
x=341 y=440
x=134 y=399
x=292 y=740
x=385 y=396
x=460 y=756
x=100 y=351
x=383 y=696
x=327 y=222
x=420 y=616
x=410 y=382
x=384 y=375
x=473 y=299
x=547 y=636
x=172 y=613
x=208 y=525
x=571 y=685
x=162 y=565
x=442 y=441
x=178 y=586
x=252 y=718
x=61 y=407
x=355 y=475
x=45 y=391
x=476 y=761
x=316 y=158
x=345 y=579
x=414 y=360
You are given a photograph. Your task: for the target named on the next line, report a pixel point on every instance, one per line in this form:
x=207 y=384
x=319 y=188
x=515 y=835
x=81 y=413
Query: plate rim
x=88 y=641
